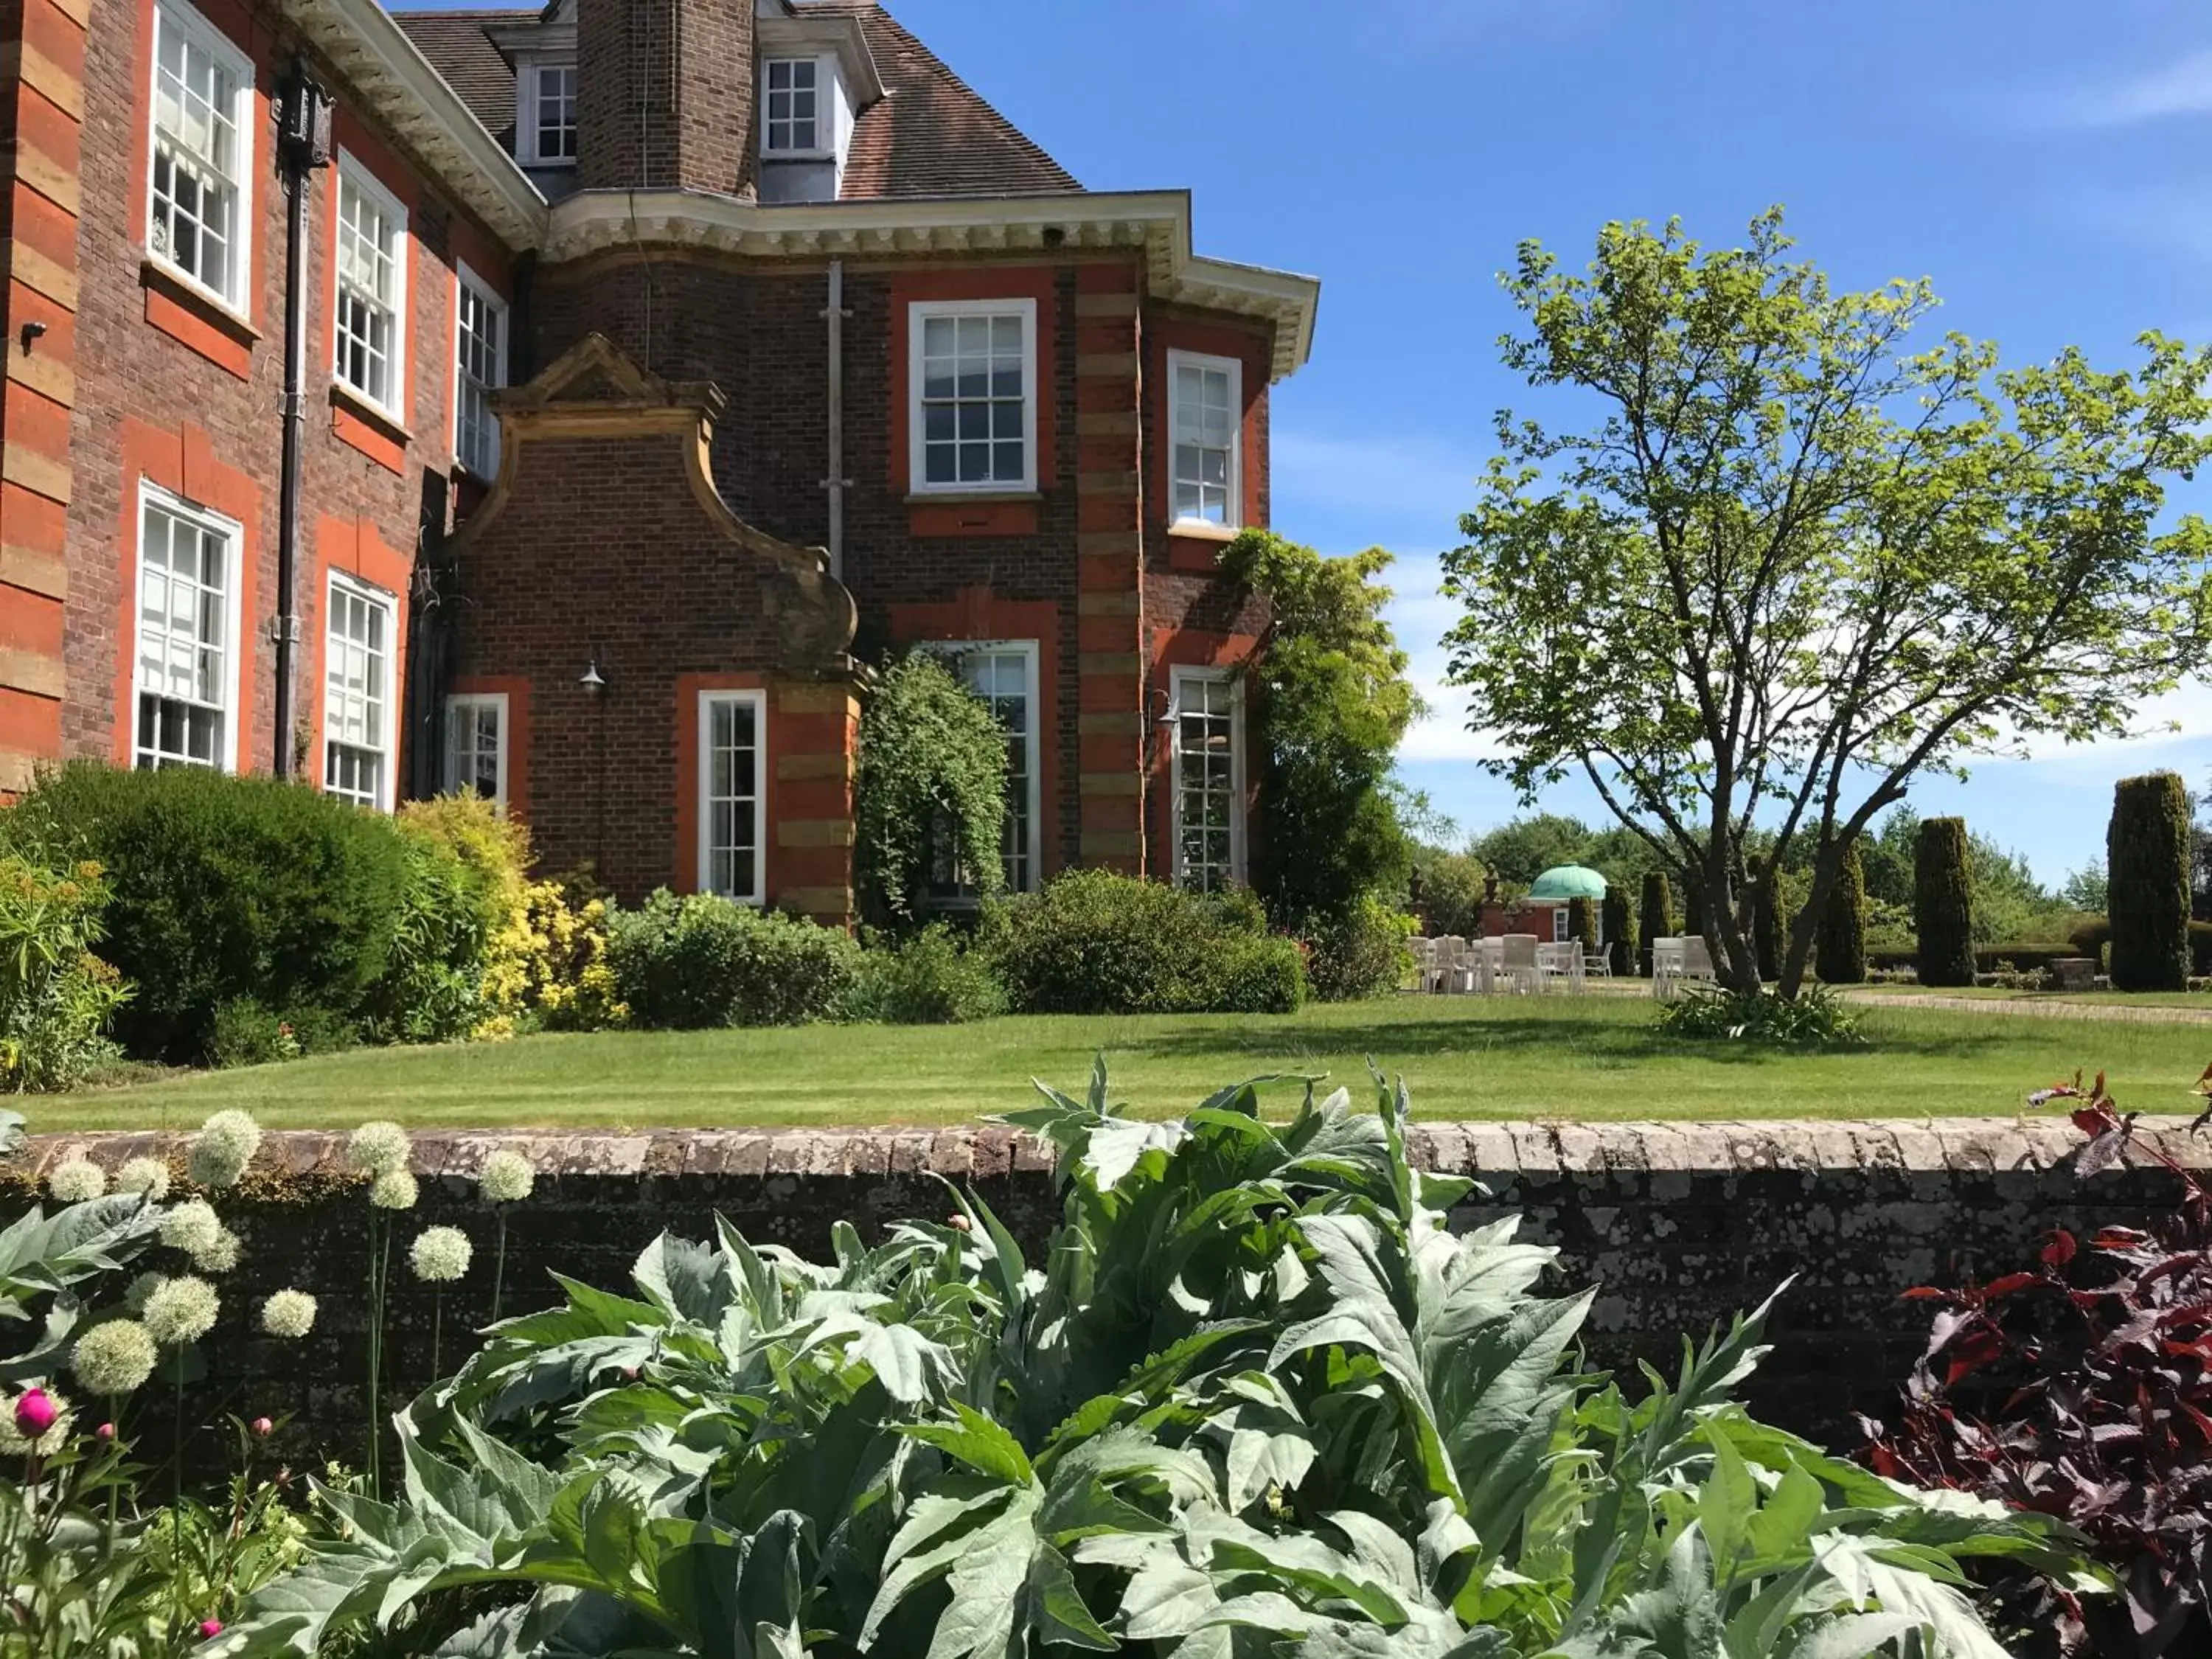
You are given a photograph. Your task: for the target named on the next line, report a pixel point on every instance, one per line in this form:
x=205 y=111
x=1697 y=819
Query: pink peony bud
x=630 y=1373
x=104 y=1433
x=35 y=1414
x=209 y=1629
x=263 y=1428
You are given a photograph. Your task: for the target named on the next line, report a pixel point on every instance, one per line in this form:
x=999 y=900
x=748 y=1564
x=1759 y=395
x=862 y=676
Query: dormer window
x=792 y=112
x=545 y=125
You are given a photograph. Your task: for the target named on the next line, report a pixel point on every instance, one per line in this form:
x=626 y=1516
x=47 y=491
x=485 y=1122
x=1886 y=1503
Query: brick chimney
x=665 y=95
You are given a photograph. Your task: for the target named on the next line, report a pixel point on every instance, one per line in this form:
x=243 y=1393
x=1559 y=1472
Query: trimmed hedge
x=1839 y=947
x=1363 y=955
x=1654 y=918
x=1093 y=942
x=1620 y=933
x=2023 y=954
x=700 y=962
x=1943 y=902
x=225 y=887
x=2147 y=857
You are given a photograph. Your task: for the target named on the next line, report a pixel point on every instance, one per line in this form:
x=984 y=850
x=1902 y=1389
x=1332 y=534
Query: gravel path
x=2040 y=1007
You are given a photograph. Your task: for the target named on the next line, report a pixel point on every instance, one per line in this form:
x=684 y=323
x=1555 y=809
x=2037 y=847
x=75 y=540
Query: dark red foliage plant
x=2081 y=1386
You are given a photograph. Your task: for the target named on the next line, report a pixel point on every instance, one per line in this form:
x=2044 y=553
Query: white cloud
x=2181 y=88
x=1401 y=491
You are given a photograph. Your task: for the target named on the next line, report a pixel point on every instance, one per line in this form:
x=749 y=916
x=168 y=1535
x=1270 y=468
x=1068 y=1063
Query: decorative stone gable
x=605 y=548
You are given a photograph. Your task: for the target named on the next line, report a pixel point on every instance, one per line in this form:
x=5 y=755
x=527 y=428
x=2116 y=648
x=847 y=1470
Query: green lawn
x=1464 y=1058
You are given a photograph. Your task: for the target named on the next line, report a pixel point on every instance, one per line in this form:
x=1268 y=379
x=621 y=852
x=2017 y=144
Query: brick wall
x=1680 y=1224
x=665 y=95
x=172 y=386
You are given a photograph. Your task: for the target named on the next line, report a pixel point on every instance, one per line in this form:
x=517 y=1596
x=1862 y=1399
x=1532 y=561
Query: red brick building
x=646 y=368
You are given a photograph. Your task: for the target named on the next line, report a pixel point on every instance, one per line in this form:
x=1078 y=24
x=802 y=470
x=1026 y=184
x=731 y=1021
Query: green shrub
x=1655 y=917
x=1814 y=1018
x=1093 y=942
x=1620 y=933
x=224 y=887
x=931 y=979
x=2090 y=938
x=703 y=962
x=932 y=782
x=467 y=884
x=57 y=997
x=1363 y=955
x=2147 y=862
x=1840 y=942
x=1943 y=902
x=245 y=1032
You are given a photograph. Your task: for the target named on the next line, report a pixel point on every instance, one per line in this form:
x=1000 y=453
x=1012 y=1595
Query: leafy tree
x=2148 y=852
x=1943 y=902
x=2085 y=889
x=1522 y=848
x=1452 y=886
x=1796 y=560
x=933 y=774
x=1333 y=703
x=1840 y=951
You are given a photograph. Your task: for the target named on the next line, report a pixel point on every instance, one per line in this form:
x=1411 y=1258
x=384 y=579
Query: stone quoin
x=652 y=367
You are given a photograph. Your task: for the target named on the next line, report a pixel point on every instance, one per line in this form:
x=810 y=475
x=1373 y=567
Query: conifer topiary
x=1943 y=902
x=2147 y=861
x=1840 y=942
x=1582 y=921
x=1620 y=933
x=1656 y=919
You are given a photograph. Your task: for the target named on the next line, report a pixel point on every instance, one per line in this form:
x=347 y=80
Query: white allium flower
x=506 y=1178
x=191 y=1226
x=142 y=1287
x=394 y=1189
x=288 y=1313
x=113 y=1358
x=146 y=1176
x=377 y=1148
x=181 y=1310
x=12 y=1441
x=76 y=1181
x=221 y=1255
x=439 y=1255
x=224 y=1146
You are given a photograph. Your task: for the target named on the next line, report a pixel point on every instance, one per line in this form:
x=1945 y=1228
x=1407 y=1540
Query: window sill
x=362 y=424
x=191 y=315
x=1202 y=530
x=558 y=164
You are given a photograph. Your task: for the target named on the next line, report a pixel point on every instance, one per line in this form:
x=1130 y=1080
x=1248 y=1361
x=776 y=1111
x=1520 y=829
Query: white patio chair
x=1560 y=962
x=1518 y=967
x=1597 y=964
x=1454 y=977
x=1696 y=960
x=1489 y=964
x=1666 y=968
x=1425 y=962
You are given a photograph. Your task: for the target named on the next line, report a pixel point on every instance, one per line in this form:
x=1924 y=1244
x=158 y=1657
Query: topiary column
x=1620 y=934
x=1581 y=918
x=2147 y=860
x=1943 y=902
x=1656 y=919
x=1840 y=939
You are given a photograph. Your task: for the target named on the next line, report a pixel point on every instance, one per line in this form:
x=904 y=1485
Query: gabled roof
x=460 y=50
x=931 y=134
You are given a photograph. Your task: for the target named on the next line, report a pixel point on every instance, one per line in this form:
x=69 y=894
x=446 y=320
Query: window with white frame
x=545 y=116
x=1205 y=403
x=1003 y=675
x=1209 y=781
x=372 y=288
x=479 y=369
x=733 y=792
x=475 y=745
x=186 y=680
x=199 y=211
x=974 y=374
x=357 y=642
x=792 y=114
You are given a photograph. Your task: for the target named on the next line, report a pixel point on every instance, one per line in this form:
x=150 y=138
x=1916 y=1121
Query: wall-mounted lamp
x=594 y=682
x=31 y=330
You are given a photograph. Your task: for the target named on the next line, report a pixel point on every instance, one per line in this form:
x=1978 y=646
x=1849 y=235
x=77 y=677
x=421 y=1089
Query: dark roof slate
x=460 y=51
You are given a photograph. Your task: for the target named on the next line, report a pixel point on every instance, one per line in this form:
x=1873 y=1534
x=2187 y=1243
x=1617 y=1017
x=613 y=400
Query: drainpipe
x=837 y=483
x=304 y=145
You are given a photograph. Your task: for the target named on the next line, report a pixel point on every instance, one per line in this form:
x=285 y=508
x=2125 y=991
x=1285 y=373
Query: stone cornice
x=1156 y=223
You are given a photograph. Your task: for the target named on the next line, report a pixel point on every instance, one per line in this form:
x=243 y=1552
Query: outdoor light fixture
x=594 y=682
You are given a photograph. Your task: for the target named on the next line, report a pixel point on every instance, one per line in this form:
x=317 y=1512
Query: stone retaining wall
x=1681 y=1224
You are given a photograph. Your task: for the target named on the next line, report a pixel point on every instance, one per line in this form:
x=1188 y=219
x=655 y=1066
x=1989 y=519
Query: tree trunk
x=1728 y=926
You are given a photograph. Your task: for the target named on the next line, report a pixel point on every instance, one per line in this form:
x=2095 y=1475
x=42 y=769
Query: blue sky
x=2041 y=160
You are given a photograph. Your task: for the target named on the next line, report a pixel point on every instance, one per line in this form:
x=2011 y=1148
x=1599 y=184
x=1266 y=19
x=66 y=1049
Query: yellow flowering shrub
x=57 y=998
